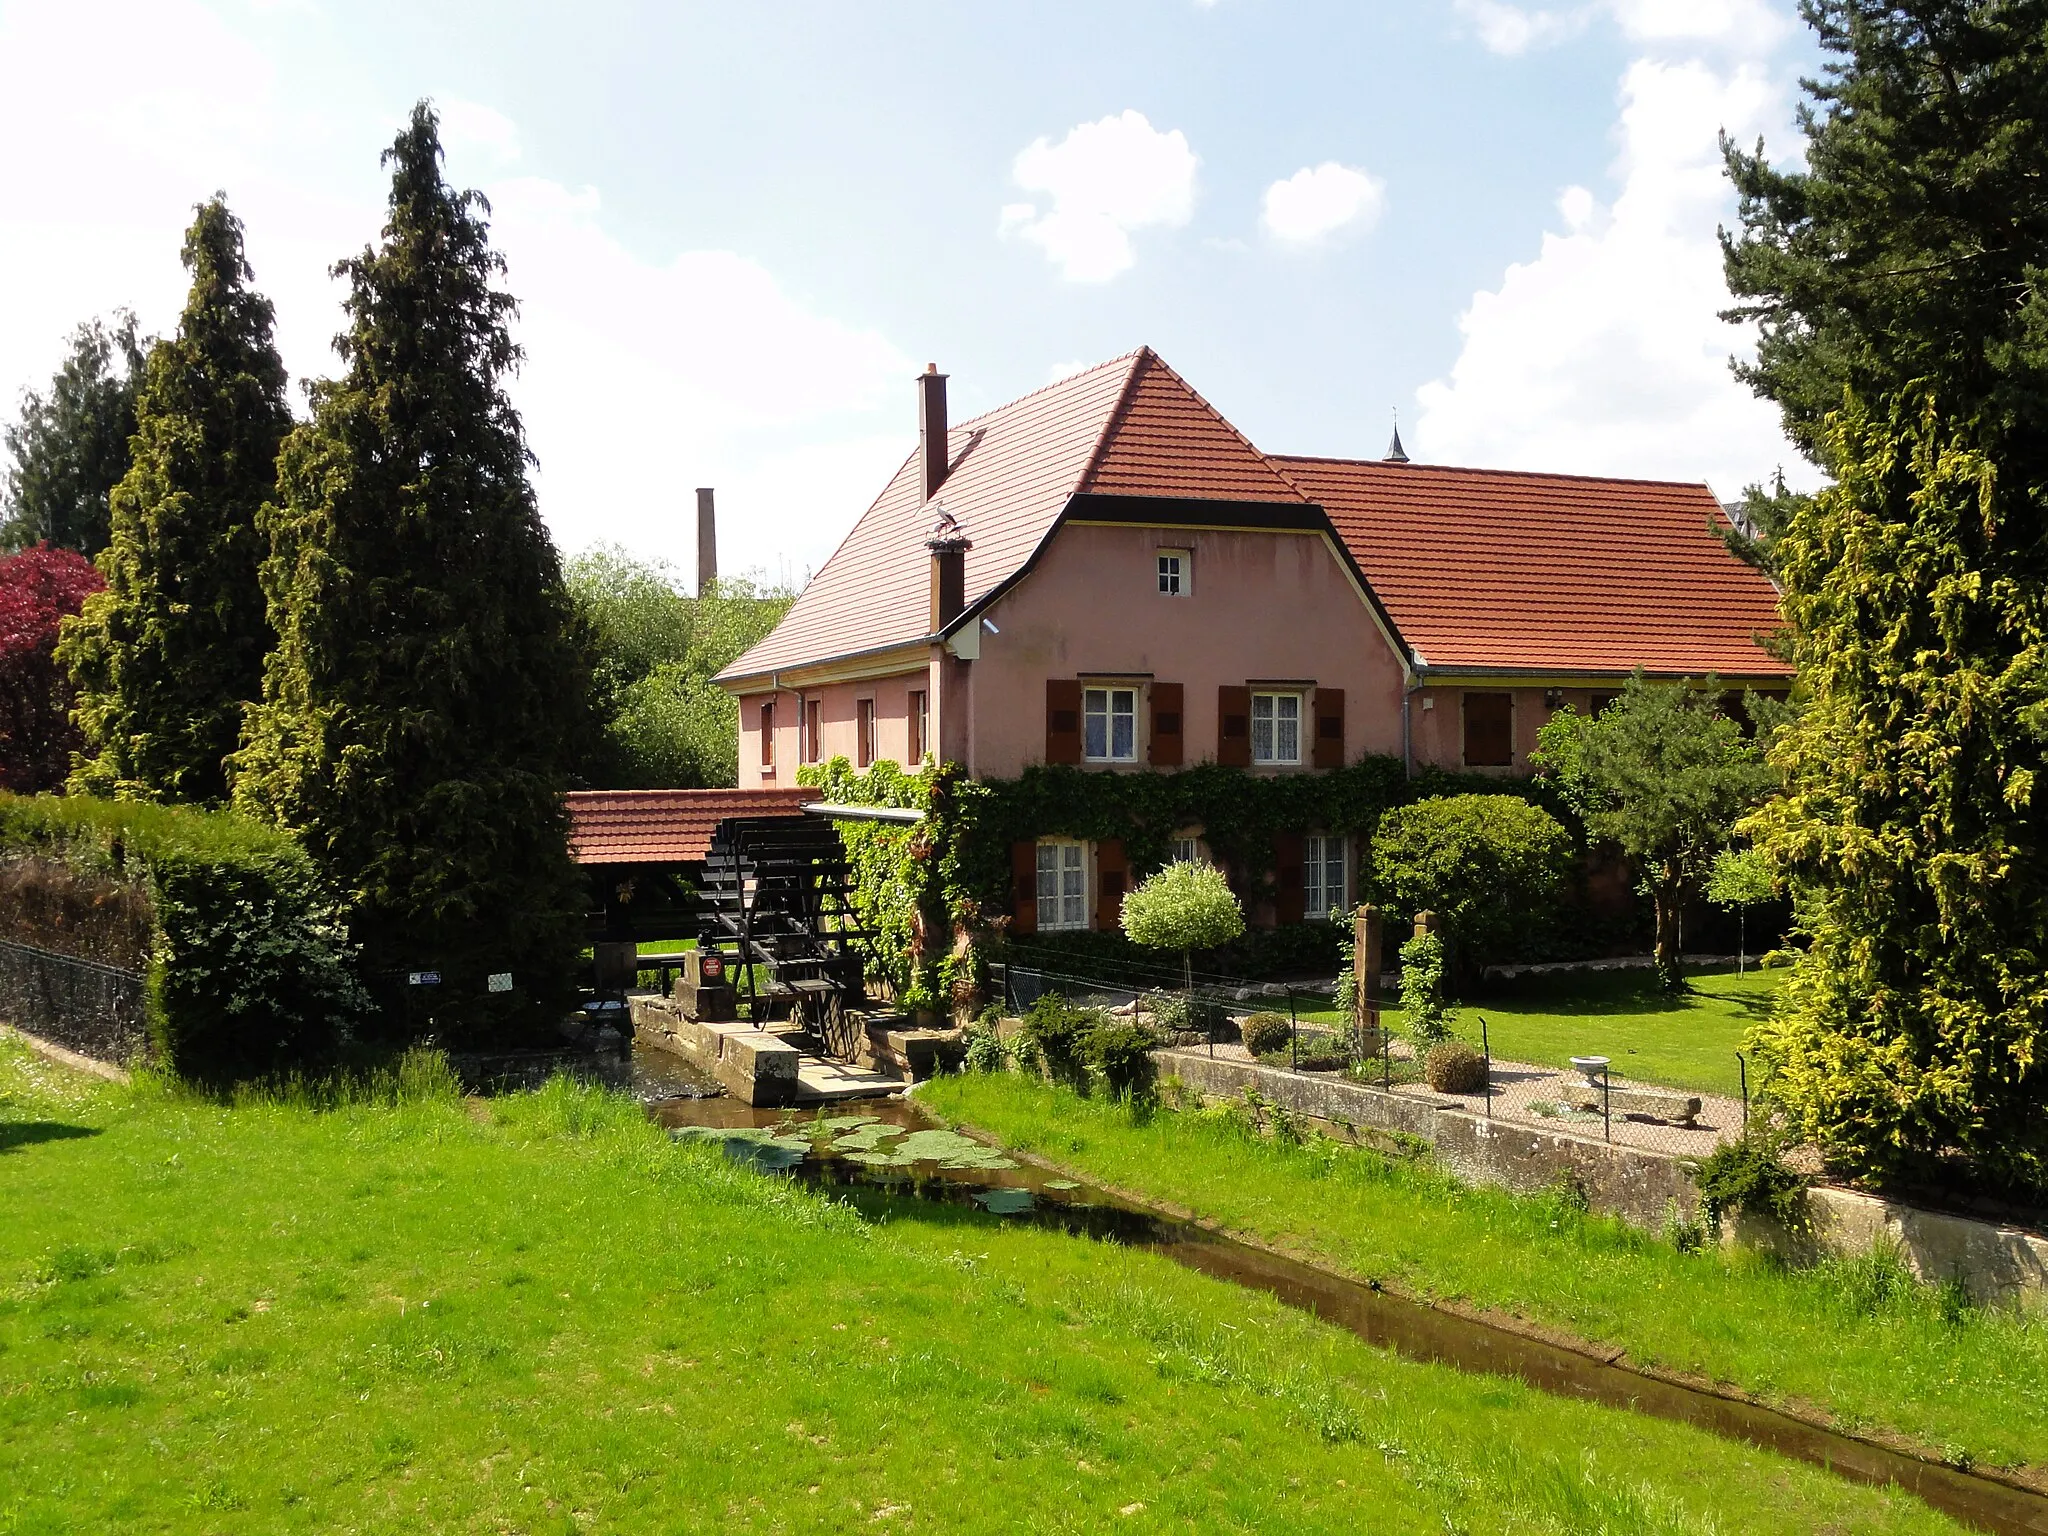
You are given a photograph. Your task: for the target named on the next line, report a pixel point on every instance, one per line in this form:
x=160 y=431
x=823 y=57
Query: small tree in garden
x=1485 y=864
x=1740 y=878
x=39 y=589
x=1185 y=906
x=1427 y=1019
x=1663 y=773
x=70 y=447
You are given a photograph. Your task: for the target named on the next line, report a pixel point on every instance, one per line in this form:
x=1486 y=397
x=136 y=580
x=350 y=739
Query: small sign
x=423 y=979
x=501 y=981
x=714 y=967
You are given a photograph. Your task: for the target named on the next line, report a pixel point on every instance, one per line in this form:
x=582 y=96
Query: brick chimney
x=949 y=546
x=707 y=541
x=931 y=427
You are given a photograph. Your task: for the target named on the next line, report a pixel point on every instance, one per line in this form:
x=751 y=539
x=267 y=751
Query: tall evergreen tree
x=167 y=656
x=1901 y=280
x=420 y=712
x=70 y=447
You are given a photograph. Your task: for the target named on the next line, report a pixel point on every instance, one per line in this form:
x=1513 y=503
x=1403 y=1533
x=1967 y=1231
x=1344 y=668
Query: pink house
x=1106 y=573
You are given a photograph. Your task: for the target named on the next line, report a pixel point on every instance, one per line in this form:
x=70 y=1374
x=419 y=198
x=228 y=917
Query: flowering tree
x=39 y=588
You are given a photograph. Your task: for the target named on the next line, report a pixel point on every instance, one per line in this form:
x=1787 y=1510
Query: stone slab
x=1680 y=1108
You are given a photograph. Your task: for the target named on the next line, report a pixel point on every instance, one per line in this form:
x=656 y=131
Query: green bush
x=1751 y=1174
x=986 y=1050
x=1183 y=907
x=250 y=972
x=1454 y=1067
x=1427 y=1021
x=1052 y=1038
x=1777 y=959
x=1490 y=866
x=1122 y=1053
x=1265 y=1032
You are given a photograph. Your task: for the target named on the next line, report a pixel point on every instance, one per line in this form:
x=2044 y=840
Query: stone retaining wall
x=1993 y=1262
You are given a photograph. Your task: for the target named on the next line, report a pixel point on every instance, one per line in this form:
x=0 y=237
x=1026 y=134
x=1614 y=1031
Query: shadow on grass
x=1608 y=992
x=16 y=1134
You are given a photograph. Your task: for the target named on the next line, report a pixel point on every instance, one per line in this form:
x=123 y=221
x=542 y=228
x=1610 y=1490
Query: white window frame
x=1276 y=717
x=1109 y=715
x=1324 y=855
x=1062 y=885
x=1176 y=572
x=1186 y=848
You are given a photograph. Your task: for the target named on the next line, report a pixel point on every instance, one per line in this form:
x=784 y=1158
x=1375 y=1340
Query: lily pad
x=758 y=1145
x=1004 y=1202
x=949 y=1149
x=847 y=1122
x=866 y=1138
x=1061 y=1184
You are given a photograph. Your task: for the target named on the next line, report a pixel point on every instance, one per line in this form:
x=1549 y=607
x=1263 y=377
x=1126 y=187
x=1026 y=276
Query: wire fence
x=1299 y=1026
x=83 y=1005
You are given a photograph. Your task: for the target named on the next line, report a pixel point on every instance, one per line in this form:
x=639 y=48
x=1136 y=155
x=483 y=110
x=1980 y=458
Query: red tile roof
x=664 y=826
x=1481 y=569
x=1489 y=569
x=1166 y=440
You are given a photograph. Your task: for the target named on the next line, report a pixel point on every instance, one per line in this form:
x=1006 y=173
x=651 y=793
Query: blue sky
x=737 y=230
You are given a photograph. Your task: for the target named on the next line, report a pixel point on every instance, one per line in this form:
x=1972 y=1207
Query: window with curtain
x=1109 y=725
x=1322 y=876
x=1062 y=884
x=1276 y=728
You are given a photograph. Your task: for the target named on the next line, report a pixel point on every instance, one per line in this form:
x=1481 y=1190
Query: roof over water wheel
x=664 y=826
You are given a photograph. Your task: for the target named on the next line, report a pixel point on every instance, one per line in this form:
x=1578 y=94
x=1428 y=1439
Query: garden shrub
x=986 y=1050
x=1176 y=1014
x=1425 y=1018
x=1264 y=1032
x=249 y=969
x=1452 y=1066
x=1751 y=1174
x=1777 y=959
x=1122 y=1053
x=1490 y=866
x=1052 y=1038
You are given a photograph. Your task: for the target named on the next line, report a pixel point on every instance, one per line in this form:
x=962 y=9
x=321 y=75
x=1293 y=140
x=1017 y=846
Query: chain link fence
x=83 y=1005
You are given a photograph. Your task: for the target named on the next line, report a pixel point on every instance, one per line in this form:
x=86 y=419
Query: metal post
x=1606 y=1106
x=1742 y=1068
x=1486 y=1056
x=1293 y=1032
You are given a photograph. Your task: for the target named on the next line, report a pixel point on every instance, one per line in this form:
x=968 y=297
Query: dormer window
x=1176 y=573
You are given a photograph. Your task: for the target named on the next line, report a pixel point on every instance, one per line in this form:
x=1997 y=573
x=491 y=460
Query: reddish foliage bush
x=39 y=587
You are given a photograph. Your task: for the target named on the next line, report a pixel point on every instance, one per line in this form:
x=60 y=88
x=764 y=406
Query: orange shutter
x=1166 y=725
x=1062 y=720
x=1112 y=875
x=1234 y=727
x=1329 y=747
x=1023 y=887
x=1287 y=896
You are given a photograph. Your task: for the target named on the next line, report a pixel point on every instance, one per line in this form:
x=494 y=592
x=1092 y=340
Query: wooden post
x=1365 y=967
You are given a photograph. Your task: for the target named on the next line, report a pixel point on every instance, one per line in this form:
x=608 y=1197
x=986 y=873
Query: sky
x=737 y=232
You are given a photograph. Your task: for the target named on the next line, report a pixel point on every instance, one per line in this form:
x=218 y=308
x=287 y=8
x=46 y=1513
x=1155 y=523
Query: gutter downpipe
x=1414 y=685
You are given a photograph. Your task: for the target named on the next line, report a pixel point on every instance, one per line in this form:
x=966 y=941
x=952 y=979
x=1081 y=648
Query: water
x=852 y=1154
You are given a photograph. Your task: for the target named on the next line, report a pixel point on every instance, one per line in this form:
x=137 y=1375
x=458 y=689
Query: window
x=1276 y=728
x=1175 y=573
x=1489 y=730
x=1187 y=849
x=864 y=732
x=1109 y=718
x=814 y=730
x=768 y=737
x=920 y=727
x=1322 y=876
x=1062 y=885
x=1596 y=703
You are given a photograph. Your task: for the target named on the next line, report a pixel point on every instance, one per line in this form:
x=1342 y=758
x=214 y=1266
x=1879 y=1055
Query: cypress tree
x=421 y=709
x=168 y=655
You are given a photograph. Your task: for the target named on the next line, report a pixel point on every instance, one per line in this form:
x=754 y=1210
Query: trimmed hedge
x=250 y=971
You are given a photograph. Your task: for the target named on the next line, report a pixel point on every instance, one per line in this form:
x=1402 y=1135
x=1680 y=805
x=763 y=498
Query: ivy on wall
x=932 y=894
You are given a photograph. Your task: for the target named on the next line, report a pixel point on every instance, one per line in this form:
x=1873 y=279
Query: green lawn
x=1684 y=1040
x=540 y=1315
x=1857 y=1338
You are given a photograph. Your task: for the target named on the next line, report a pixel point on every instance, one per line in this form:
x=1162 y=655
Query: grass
x=1682 y=1040
x=391 y=1310
x=1857 y=1338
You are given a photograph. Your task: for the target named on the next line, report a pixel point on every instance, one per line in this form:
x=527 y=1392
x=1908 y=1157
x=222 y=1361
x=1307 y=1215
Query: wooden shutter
x=1023 y=887
x=1489 y=730
x=1112 y=875
x=1234 y=727
x=1062 y=720
x=1287 y=897
x=1329 y=746
x=1166 y=725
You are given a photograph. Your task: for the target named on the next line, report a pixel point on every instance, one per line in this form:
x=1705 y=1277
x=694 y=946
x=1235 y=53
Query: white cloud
x=1605 y=354
x=1318 y=201
x=1511 y=29
x=1749 y=27
x=1104 y=180
x=646 y=375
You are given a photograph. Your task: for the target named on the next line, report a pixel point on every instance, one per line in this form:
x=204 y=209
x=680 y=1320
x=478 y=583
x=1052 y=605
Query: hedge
x=249 y=970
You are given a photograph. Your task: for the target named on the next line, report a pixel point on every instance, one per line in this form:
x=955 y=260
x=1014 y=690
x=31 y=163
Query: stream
x=889 y=1147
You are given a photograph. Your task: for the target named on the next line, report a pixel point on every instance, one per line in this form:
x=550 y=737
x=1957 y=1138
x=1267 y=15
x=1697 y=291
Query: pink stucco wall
x=838 y=725
x=1263 y=606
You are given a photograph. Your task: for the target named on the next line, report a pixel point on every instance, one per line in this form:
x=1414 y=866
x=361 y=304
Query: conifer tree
x=428 y=686
x=168 y=655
